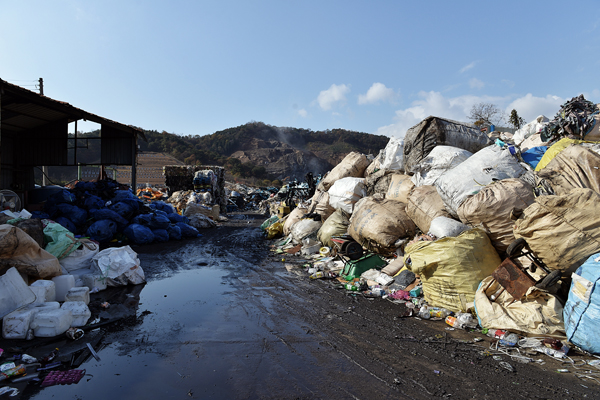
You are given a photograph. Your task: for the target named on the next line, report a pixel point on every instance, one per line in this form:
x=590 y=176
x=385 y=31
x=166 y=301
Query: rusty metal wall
x=117 y=146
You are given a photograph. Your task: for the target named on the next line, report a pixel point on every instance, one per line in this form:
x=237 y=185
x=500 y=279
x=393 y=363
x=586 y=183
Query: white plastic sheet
x=441 y=159
x=120 y=266
x=529 y=129
x=482 y=168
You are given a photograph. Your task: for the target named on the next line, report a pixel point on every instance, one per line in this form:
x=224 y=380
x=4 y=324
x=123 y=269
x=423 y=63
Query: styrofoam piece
x=78 y=294
x=14 y=292
x=80 y=312
x=16 y=324
x=63 y=284
x=48 y=287
x=50 y=323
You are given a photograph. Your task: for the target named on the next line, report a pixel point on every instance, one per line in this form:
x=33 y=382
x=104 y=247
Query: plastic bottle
x=439 y=312
x=323 y=274
x=424 y=312
x=495 y=333
x=510 y=339
x=454 y=322
x=350 y=286
x=466 y=320
x=15 y=371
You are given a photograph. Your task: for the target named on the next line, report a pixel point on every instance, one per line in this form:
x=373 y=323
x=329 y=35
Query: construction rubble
x=497 y=233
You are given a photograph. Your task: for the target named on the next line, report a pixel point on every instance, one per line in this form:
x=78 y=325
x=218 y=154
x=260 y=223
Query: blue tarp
x=534 y=155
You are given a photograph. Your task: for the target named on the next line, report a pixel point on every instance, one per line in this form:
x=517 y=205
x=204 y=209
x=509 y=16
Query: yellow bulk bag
x=555 y=150
x=336 y=225
x=452 y=268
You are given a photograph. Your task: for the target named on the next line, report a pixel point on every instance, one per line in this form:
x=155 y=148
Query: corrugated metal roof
x=23 y=110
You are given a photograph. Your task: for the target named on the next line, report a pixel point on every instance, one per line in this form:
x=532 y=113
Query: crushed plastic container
x=16 y=324
x=92 y=281
x=80 y=312
x=14 y=292
x=78 y=294
x=46 y=289
x=63 y=284
x=50 y=323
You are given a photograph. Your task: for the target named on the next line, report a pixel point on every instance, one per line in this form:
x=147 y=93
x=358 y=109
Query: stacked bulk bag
x=377 y=224
x=452 y=268
x=438 y=161
x=400 y=188
x=353 y=165
x=320 y=204
x=491 y=209
x=422 y=138
x=296 y=215
x=344 y=193
x=575 y=167
x=425 y=204
x=390 y=158
x=537 y=313
x=563 y=231
x=470 y=176
x=336 y=225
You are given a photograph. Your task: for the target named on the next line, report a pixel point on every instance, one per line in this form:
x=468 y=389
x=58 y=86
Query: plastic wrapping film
x=422 y=138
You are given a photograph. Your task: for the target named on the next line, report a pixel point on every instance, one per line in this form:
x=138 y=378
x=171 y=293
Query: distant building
x=149 y=169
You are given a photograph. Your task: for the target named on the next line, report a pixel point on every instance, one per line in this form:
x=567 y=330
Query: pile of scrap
x=498 y=232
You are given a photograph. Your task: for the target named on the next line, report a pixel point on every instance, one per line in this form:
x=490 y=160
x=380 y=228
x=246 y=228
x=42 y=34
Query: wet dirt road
x=221 y=318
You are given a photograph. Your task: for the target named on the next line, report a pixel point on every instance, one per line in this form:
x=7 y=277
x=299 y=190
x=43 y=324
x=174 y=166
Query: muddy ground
x=221 y=317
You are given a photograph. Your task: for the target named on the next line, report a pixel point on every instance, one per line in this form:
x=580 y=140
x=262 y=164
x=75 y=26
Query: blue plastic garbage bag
x=162 y=206
x=160 y=212
x=582 y=310
x=39 y=214
x=64 y=196
x=102 y=231
x=123 y=209
x=153 y=221
x=133 y=203
x=139 y=234
x=66 y=223
x=92 y=202
x=86 y=185
x=188 y=231
x=122 y=195
x=77 y=215
x=174 y=232
x=105 y=213
x=174 y=218
x=533 y=155
x=160 y=235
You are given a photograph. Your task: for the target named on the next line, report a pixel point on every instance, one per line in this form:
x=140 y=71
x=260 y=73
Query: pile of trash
x=495 y=232
x=104 y=212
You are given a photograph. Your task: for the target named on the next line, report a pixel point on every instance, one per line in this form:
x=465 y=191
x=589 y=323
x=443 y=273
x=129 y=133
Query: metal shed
x=34 y=132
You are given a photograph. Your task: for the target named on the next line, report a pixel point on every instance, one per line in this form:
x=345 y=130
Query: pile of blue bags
x=102 y=212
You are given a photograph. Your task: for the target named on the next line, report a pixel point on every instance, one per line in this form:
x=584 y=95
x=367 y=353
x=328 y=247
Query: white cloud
x=376 y=93
x=475 y=83
x=434 y=103
x=302 y=112
x=467 y=67
x=529 y=107
x=336 y=93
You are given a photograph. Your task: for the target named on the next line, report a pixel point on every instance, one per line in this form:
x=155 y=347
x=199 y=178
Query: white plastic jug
x=14 y=292
x=62 y=284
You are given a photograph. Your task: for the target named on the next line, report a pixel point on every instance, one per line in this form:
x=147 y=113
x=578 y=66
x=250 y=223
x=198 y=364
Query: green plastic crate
x=354 y=268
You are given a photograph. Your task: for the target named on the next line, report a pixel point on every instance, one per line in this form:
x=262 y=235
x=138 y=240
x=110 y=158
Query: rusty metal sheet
x=513 y=279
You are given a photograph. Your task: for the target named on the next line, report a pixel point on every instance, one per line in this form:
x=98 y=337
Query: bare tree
x=486 y=114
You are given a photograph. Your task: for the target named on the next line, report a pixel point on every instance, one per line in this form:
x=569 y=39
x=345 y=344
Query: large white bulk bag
x=345 y=192
x=473 y=174
x=441 y=159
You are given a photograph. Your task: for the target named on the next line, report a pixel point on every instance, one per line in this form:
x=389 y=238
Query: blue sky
x=196 y=67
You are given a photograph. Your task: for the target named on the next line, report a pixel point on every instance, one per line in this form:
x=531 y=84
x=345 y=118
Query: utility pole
x=41 y=81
